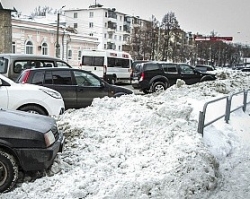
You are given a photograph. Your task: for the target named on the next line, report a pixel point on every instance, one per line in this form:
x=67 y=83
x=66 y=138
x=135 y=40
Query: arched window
x=29 y=47
x=44 y=49
x=70 y=54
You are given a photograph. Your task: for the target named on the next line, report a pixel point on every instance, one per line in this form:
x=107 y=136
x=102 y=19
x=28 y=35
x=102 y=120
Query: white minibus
x=112 y=66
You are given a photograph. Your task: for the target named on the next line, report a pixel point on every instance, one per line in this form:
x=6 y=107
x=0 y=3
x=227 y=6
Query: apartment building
x=112 y=28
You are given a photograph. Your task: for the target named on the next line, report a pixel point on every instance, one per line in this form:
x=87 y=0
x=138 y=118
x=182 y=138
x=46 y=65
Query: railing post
x=245 y=101
x=228 y=107
x=201 y=123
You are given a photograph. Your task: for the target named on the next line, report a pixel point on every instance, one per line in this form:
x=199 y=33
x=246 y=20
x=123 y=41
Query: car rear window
x=58 y=77
x=38 y=78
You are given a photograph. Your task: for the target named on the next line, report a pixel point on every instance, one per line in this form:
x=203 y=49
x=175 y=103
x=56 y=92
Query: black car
x=28 y=142
x=247 y=69
x=77 y=87
x=158 y=76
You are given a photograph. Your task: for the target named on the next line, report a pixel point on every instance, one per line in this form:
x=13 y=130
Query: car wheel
x=33 y=109
x=206 y=78
x=8 y=171
x=158 y=87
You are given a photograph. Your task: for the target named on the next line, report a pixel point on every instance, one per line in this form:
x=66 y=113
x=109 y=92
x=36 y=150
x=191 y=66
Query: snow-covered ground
x=141 y=147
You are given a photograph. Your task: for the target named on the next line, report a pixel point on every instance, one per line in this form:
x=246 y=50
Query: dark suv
x=77 y=87
x=158 y=76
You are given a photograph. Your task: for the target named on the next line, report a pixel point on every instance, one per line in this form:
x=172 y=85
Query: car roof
x=55 y=69
x=203 y=65
x=12 y=55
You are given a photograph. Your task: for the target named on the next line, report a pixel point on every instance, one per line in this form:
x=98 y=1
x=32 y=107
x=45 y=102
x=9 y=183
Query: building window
x=75 y=15
x=106 y=25
x=29 y=47
x=91 y=34
x=91 y=25
x=120 y=28
x=120 y=38
x=115 y=37
x=44 y=49
x=110 y=36
x=79 y=55
x=13 y=47
x=91 y=14
x=105 y=46
x=106 y=14
x=119 y=47
x=105 y=35
x=120 y=18
x=75 y=25
x=70 y=54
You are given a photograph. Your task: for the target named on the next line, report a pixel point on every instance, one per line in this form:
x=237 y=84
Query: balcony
x=126 y=29
x=112 y=16
x=111 y=27
x=137 y=22
x=111 y=45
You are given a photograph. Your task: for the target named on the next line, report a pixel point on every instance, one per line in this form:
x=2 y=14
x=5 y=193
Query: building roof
x=4 y=7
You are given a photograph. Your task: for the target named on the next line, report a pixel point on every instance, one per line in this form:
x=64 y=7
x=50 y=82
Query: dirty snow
x=147 y=146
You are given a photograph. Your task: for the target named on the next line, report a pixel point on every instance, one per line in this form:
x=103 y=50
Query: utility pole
x=57 y=34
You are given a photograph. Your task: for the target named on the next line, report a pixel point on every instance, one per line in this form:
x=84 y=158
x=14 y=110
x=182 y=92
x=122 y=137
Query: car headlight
x=52 y=93
x=49 y=138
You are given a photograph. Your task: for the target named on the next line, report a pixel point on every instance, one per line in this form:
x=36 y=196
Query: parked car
x=158 y=76
x=28 y=142
x=247 y=69
x=11 y=65
x=77 y=87
x=30 y=98
x=204 y=68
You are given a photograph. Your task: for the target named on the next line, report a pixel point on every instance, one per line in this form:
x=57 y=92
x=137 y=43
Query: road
x=136 y=91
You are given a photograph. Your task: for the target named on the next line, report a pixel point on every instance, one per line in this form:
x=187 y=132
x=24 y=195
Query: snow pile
x=141 y=147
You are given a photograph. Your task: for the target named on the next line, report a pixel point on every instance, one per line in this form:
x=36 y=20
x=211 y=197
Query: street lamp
x=57 y=33
x=158 y=42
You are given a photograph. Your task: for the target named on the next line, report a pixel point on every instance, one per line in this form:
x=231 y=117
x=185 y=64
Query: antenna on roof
x=96 y=5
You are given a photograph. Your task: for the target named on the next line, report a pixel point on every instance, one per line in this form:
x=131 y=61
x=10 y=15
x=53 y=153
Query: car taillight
x=142 y=76
x=25 y=77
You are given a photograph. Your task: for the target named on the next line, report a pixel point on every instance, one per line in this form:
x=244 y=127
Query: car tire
x=158 y=87
x=206 y=78
x=8 y=171
x=33 y=109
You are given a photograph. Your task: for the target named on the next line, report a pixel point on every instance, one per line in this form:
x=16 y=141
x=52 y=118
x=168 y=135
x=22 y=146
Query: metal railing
x=228 y=111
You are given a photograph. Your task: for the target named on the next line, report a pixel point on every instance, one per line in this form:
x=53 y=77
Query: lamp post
x=57 y=34
x=158 y=42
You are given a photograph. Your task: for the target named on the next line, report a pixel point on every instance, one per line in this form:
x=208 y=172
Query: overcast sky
x=225 y=17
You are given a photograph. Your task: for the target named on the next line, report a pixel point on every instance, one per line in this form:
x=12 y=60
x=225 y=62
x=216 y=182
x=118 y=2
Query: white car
x=30 y=98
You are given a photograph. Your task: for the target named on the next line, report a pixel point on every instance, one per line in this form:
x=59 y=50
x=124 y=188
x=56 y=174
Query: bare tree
x=41 y=11
x=169 y=25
